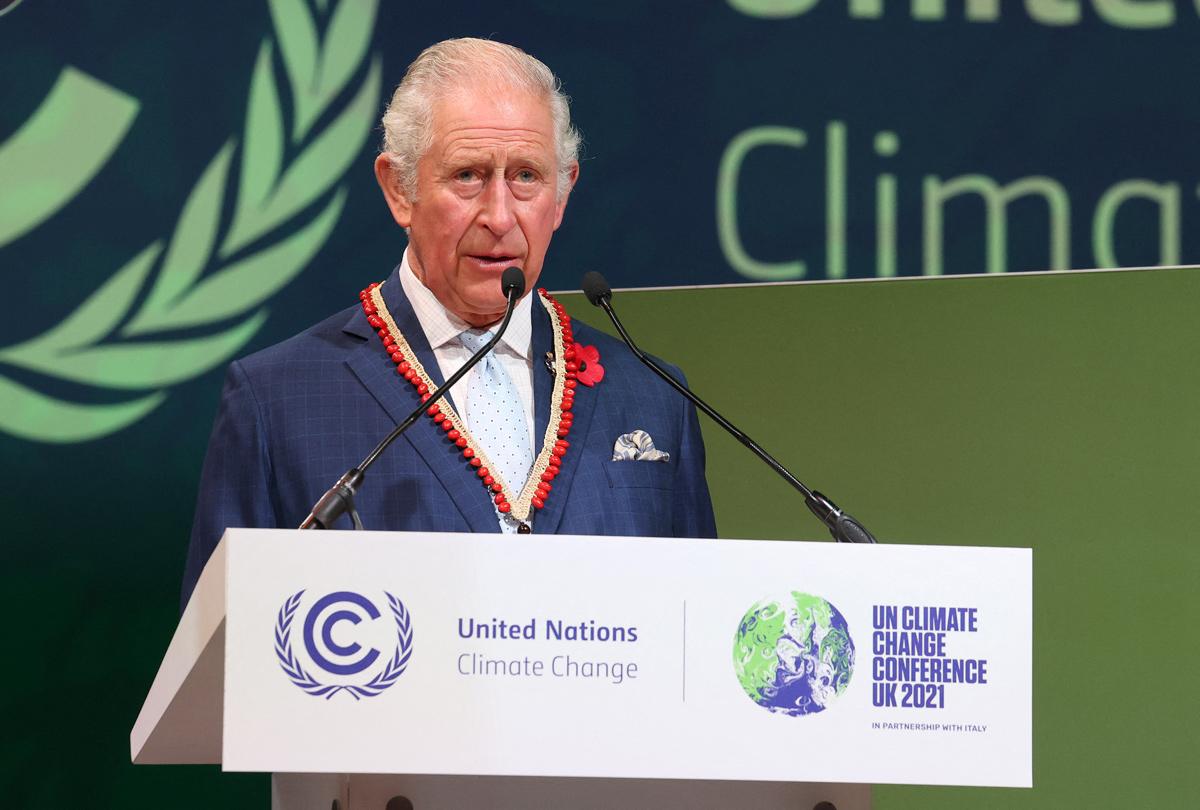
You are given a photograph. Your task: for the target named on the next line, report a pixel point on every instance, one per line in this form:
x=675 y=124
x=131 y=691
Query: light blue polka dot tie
x=496 y=420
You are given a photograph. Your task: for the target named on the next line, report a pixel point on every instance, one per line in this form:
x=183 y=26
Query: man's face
x=486 y=198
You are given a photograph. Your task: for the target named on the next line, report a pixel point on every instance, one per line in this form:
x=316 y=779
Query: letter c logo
x=336 y=617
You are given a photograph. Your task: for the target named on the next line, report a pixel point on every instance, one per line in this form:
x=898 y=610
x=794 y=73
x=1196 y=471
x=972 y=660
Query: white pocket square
x=637 y=446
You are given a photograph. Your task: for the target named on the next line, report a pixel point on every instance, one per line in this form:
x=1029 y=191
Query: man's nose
x=498 y=214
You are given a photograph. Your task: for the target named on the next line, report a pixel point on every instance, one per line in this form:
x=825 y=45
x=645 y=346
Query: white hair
x=456 y=63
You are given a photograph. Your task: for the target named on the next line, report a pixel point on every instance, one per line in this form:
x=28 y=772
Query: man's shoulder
x=618 y=357
x=324 y=342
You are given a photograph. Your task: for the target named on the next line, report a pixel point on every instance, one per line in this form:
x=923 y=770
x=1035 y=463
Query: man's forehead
x=489 y=141
x=490 y=107
x=476 y=125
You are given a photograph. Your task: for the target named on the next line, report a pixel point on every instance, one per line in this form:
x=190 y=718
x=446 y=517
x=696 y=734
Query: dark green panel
x=1060 y=412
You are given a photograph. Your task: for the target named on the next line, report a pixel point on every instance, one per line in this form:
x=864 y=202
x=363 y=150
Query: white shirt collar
x=442 y=326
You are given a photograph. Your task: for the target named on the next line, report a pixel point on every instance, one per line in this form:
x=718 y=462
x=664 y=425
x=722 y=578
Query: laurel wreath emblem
x=300 y=677
x=137 y=332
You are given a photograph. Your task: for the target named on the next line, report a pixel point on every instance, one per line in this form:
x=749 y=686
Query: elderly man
x=558 y=429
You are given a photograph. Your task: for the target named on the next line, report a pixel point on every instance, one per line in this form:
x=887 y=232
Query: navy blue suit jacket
x=294 y=417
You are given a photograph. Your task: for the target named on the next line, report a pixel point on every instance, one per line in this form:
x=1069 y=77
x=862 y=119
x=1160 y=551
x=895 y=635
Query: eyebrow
x=481 y=157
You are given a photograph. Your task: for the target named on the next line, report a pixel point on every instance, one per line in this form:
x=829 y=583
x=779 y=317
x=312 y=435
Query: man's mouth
x=499 y=261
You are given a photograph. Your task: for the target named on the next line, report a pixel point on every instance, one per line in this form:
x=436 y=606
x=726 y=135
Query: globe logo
x=793 y=655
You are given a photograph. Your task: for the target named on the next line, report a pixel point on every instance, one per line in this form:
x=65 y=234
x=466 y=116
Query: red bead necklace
x=548 y=463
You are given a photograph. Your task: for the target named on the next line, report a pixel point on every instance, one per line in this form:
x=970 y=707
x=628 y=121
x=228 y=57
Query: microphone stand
x=339 y=499
x=842 y=526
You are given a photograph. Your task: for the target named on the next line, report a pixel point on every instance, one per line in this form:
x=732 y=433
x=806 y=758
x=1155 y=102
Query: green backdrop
x=1059 y=412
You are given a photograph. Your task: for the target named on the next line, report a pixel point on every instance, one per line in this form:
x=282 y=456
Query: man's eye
x=466 y=176
x=526 y=176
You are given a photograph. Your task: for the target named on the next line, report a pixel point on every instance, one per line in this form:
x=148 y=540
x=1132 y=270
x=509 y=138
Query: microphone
x=339 y=499
x=842 y=527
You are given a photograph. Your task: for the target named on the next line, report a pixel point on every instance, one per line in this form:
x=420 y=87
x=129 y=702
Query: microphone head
x=512 y=279
x=595 y=288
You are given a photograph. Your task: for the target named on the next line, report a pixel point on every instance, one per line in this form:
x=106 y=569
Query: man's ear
x=393 y=191
x=562 y=203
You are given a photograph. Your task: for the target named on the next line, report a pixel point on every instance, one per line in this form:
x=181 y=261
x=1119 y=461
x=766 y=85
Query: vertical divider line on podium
x=683 y=686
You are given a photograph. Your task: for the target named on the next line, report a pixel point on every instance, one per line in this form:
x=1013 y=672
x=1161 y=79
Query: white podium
x=389 y=670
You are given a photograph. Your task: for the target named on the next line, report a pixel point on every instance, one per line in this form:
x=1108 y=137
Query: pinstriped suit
x=297 y=415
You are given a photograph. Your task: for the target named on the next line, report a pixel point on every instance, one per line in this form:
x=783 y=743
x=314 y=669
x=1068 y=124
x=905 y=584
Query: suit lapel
x=547 y=520
x=541 y=344
x=378 y=374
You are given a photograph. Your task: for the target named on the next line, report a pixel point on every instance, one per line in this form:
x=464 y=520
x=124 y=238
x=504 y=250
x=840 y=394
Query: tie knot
x=475 y=339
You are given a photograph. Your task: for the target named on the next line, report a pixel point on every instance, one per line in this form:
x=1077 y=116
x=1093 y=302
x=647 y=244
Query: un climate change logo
x=347 y=665
x=793 y=655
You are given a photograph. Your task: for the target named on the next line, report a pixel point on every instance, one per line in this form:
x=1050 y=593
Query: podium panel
x=724 y=671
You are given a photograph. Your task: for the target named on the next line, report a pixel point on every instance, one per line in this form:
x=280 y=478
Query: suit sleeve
x=234 y=484
x=693 y=511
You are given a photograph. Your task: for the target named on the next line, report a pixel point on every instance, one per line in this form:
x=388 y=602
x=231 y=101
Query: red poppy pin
x=589 y=371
